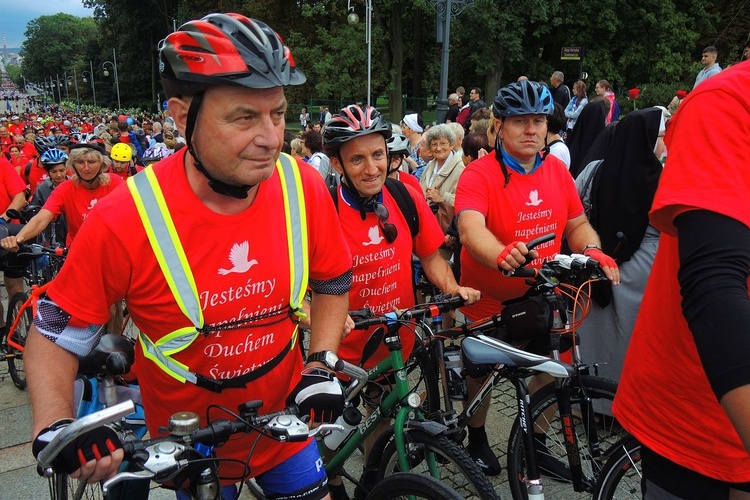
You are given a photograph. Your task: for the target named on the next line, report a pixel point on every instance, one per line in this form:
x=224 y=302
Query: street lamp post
x=106 y=73
x=65 y=79
x=352 y=18
x=75 y=81
x=446 y=9
x=91 y=75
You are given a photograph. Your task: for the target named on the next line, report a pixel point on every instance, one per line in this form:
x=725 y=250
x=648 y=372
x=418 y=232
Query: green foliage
x=54 y=44
x=14 y=72
x=652 y=44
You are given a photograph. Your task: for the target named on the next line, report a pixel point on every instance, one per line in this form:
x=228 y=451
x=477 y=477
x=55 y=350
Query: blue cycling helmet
x=53 y=157
x=523 y=98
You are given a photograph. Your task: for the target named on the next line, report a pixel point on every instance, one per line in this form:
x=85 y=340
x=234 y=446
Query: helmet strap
x=96 y=177
x=499 y=156
x=233 y=191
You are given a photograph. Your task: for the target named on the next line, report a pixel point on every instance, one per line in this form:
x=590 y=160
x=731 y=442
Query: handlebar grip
x=530 y=246
x=522 y=272
x=538 y=241
x=79 y=427
x=365 y=312
x=364 y=324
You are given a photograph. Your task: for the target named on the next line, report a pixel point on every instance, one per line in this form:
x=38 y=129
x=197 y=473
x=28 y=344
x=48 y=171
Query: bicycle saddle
x=113 y=355
x=485 y=350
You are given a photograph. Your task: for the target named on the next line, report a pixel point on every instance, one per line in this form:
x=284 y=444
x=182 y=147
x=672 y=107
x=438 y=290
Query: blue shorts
x=300 y=476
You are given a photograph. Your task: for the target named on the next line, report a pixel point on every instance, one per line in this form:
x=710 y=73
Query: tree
x=54 y=44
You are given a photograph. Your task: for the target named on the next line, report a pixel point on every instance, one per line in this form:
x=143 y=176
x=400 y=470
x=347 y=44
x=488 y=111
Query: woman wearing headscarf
x=621 y=195
x=590 y=122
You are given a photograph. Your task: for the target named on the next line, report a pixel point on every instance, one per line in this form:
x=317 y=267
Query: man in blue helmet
x=506 y=199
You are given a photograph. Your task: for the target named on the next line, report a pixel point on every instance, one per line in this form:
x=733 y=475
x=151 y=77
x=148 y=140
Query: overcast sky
x=16 y=14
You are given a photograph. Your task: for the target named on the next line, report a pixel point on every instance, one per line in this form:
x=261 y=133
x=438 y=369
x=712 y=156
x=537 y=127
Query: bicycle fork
x=533 y=479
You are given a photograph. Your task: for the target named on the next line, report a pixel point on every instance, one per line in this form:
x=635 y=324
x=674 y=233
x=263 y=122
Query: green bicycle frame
x=393 y=363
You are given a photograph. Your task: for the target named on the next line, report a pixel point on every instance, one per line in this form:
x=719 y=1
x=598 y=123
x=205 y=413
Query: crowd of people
x=245 y=217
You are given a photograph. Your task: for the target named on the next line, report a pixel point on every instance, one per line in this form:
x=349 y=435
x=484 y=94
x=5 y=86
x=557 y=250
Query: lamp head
x=106 y=72
x=352 y=18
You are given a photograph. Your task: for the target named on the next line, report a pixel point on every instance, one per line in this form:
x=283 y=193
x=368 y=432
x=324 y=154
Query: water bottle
x=349 y=419
x=454 y=367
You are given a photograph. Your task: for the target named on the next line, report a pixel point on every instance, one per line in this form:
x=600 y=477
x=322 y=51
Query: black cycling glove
x=319 y=395
x=93 y=445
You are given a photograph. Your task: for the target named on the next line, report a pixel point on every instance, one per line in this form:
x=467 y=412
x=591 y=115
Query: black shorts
x=683 y=482
x=12 y=266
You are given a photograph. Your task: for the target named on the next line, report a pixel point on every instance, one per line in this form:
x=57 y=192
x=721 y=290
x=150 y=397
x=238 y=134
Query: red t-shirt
x=37 y=174
x=112 y=259
x=75 y=202
x=528 y=207
x=410 y=180
x=12 y=184
x=381 y=271
x=664 y=398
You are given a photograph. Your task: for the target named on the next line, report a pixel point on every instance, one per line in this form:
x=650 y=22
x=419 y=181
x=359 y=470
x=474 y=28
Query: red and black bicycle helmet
x=225 y=49
x=351 y=122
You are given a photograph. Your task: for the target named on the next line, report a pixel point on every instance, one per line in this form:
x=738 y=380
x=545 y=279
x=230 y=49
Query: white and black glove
x=93 y=445
x=319 y=395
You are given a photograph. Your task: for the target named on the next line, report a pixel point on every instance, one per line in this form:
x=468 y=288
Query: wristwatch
x=328 y=358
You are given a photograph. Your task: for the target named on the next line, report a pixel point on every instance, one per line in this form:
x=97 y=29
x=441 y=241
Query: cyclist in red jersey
x=685 y=387
x=223 y=76
x=74 y=198
x=121 y=156
x=379 y=238
x=508 y=198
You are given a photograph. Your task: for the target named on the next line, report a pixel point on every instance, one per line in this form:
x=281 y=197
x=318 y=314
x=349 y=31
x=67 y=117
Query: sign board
x=164 y=105
x=571 y=53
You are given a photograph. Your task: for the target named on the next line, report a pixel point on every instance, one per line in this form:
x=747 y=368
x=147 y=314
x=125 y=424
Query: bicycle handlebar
x=419 y=311
x=76 y=429
x=159 y=457
x=37 y=250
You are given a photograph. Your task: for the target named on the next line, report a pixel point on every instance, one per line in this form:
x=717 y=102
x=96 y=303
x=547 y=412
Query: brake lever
x=125 y=476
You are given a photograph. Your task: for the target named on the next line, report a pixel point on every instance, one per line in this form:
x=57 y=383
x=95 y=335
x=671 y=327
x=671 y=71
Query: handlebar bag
x=527 y=318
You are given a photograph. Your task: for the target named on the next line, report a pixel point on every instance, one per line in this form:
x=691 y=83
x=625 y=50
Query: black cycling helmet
x=223 y=49
x=398 y=145
x=351 y=122
x=63 y=140
x=43 y=143
x=53 y=157
x=523 y=98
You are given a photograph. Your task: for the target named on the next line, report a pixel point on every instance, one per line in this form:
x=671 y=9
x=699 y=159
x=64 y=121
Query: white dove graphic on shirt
x=534 y=200
x=91 y=205
x=238 y=256
x=374 y=236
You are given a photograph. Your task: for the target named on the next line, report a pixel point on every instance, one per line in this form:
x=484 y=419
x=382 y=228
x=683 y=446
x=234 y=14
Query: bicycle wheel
x=63 y=487
x=622 y=473
x=410 y=485
x=19 y=335
x=449 y=463
x=588 y=395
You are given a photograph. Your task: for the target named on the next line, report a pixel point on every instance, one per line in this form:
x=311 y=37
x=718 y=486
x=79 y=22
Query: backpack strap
x=405 y=203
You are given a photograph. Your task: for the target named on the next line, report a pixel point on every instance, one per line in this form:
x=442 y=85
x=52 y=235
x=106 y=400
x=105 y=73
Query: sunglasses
x=390 y=232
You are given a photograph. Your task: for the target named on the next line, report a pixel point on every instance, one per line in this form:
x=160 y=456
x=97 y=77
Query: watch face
x=330 y=359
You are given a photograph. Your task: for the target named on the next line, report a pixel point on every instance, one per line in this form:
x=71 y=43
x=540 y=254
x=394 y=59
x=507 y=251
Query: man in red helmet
x=232 y=209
